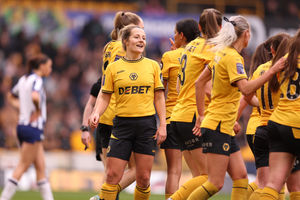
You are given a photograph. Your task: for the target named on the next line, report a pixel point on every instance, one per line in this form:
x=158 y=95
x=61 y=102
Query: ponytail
x=230 y=32
x=292 y=59
x=210 y=22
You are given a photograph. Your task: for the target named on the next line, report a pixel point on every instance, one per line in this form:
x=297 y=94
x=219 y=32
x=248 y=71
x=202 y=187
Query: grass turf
x=34 y=195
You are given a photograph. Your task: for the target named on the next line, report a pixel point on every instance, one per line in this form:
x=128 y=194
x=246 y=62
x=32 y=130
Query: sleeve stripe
x=159 y=88
x=107 y=91
x=237 y=79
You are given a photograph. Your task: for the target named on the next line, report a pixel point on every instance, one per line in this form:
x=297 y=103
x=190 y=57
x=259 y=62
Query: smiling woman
x=136 y=83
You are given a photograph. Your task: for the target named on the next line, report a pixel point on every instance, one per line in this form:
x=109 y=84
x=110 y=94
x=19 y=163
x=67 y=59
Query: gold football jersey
x=195 y=57
x=288 y=110
x=227 y=68
x=170 y=65
x=113 y=52
x=267 y=100
x=134 y=84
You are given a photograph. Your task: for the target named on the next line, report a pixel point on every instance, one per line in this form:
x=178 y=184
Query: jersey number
x=294 y=84
x=183 y=66
x=263 y=100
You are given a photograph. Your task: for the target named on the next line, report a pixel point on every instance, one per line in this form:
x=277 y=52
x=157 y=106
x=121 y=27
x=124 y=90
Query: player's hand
x=86 y=138
x=161 y=134
x=236 y=128
x=172 y=44
x=197 y=129
x=93 y=120
x=279 y=65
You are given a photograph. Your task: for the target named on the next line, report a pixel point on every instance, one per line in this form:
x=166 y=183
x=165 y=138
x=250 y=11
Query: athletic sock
x=203 y=192
x=45 y=189
x=9 y=189
x=251 y=188
x=295 y=196
x=255 y=195
x=108 y=191
x=239 y=189
x=167 y=196
x=142 y=193
x=188 y=187
x=282 y=194
x=269 y=194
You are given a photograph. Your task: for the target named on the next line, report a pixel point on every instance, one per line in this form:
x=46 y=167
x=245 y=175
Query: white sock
x=9 y=189
x=45 y=189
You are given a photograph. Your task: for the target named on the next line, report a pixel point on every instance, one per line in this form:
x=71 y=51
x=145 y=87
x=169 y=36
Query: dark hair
x=279 y=43
x=126 y=32
x=260 y=56
x=123 y=19
x=210 y=22
x=189 y=28
x=292 y=59
x=35 y=61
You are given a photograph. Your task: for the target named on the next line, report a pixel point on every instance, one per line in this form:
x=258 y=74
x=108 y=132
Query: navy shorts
x=261 y=147
x=29 y=134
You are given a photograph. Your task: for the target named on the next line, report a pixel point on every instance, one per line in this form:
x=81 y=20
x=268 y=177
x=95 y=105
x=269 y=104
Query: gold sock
x=269 y=194
x=188 y=187
x=295 y=196
x=142 y=193
x=239 y=189
x=282 y=194
x=255 y=195
x=203 y=192
x=251 y=188
x=108 y=191
x=167 y=196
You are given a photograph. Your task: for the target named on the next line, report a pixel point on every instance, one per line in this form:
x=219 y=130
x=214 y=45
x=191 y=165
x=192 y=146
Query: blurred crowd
x=76 y=67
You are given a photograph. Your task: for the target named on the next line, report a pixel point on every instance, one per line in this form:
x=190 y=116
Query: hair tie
x=123 y=13
x=227 y=20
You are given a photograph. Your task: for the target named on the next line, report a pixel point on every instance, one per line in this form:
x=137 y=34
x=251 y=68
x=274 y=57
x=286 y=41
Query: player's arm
x=249 y=87
x=99 y=108
x=13 y=100
x=159 y=102
x=200 y=84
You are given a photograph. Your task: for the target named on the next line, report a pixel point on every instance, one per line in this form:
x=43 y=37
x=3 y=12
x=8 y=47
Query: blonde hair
x=230 y=32
x=123 y=19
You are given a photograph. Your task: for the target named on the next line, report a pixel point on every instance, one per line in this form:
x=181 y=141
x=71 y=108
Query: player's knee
x=143 y=180
x=113 y=176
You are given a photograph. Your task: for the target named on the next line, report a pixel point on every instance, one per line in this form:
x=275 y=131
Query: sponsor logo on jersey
x=142 y=89
x=133 y=76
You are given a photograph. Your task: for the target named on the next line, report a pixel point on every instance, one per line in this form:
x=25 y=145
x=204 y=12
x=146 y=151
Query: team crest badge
x=226 y=146
x=133 y=76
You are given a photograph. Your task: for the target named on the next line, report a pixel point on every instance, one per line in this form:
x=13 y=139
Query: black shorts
x=282 y=138
x=261 y=147
x=185 y=137
x=250 y=140
x=105 y=132
x=171 y=141
x=132 y=134
x=218 y=143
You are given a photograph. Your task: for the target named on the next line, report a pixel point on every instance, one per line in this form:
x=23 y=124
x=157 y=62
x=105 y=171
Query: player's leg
x=293 y=183
x=42 y=182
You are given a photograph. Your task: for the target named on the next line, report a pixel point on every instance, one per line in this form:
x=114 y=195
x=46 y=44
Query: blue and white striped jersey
x=23 y=90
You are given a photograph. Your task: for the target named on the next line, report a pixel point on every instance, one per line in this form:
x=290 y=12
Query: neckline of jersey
x=133 y=61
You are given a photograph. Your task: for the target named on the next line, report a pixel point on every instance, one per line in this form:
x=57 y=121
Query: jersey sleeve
x=165 y=66
x=158 y=78
x=235 y=69
x=107 y=81
x=96 y=88
x=37 y=85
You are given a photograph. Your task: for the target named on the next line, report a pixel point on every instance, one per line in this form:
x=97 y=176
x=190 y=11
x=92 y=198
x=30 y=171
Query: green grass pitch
x=34 y=195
